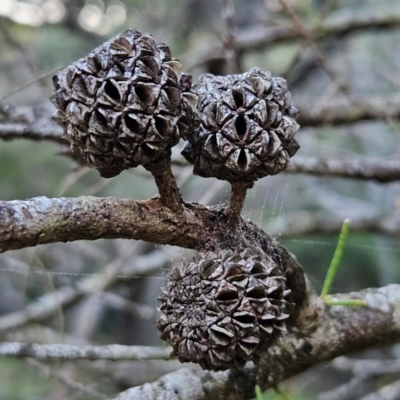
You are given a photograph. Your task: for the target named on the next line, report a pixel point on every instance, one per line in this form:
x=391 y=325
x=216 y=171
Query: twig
x=63 y=352
x=11 y=131
x=383 y=171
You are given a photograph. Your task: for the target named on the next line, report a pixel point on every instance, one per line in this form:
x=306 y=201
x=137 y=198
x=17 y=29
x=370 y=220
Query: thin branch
x=382 y=171
x=346 y=329
x=260 y=36
x=341 y=111
x=11 y=131
x=306 y=223
x=29 y=122
x=63 y=352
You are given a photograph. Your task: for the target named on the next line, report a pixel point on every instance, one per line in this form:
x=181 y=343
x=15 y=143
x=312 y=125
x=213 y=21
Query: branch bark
x=70 y=352
x=42 y=220
x=326 y=333
x=383 y=171
x=36 y=132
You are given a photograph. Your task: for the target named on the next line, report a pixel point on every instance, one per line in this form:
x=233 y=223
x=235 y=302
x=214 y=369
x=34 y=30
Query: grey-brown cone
x=124 y=105
x=247 y=127
x=220 y=310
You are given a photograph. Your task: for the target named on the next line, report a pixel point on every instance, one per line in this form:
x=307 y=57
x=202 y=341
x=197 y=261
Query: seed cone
x=220 y=310
x=247 y=127
x=124 y=105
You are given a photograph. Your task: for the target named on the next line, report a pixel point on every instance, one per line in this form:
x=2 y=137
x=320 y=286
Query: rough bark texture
x=42 y=220
x=325 y=333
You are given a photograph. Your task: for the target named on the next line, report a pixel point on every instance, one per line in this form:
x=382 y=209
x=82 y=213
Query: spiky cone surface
x=220 y=310
x=124 y=105
x=247 y=127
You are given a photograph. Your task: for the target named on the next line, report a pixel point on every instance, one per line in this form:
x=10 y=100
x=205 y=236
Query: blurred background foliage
x=38 y=37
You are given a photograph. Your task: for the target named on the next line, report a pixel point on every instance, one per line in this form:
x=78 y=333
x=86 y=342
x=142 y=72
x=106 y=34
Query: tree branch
x=260 y=36
x=344 y=329
x=29 y=122
x=342 y=111
x=37 y=132
x=42 y=220
x=70 y=352
x=306 y=223
x=382 y=171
